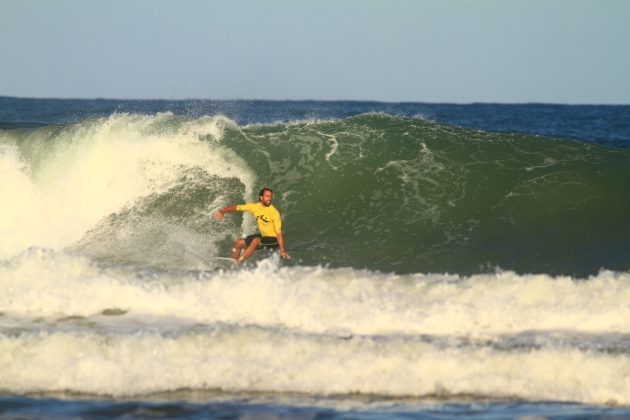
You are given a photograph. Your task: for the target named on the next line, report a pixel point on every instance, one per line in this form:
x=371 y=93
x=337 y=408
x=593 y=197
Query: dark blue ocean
x=602 y=124
x=449 y=260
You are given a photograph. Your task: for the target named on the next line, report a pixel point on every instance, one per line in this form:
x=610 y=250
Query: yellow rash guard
x=268 y=218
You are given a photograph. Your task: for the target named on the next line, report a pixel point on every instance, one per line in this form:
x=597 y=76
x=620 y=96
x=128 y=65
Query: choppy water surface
x=438 y=270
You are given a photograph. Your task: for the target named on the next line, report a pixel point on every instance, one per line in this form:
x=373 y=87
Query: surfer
x=269 y=225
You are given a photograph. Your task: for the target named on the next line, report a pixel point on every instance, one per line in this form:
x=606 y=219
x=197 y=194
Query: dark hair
x=260 y=194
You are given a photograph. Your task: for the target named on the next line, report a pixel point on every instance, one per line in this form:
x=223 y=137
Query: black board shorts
x=266 y=242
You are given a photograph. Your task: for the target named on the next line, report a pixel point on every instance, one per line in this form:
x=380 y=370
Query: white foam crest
x=16 y=189
x=321 y=300
x=97 y=167
x=254 y=359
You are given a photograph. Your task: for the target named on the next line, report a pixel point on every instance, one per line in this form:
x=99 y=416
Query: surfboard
x=222 y=262
x=223 y=259
x=213 y=262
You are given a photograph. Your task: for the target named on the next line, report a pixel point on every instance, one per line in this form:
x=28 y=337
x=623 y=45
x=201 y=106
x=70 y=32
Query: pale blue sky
x=559 y=51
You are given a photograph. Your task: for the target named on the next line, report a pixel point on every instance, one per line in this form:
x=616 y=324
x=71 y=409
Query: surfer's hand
x=219 y=215
x=285 y=255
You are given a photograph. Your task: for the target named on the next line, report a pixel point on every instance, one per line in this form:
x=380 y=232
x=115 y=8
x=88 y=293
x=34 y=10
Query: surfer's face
x=265 y=199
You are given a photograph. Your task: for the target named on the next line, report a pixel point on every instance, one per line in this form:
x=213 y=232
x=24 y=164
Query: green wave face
x=409 y=195
x=373 y=191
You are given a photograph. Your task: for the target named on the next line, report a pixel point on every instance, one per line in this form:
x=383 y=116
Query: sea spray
x=67 y=180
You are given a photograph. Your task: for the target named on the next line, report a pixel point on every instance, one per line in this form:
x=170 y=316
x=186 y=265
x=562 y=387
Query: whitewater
x=431 y=261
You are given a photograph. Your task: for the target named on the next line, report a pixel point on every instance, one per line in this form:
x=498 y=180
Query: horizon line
x=315 y=100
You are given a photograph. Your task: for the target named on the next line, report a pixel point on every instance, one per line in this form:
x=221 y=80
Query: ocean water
x=448 y=260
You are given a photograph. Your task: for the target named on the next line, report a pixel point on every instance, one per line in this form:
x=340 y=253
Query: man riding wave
x=269 y=225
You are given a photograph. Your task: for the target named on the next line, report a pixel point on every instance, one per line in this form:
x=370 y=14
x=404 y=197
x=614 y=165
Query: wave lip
x=61 y=182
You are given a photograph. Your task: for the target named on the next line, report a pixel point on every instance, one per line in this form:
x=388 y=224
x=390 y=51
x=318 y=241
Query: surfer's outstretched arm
x=221 y=212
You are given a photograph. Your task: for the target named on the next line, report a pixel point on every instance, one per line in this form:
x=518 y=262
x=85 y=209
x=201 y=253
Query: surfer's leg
x=249 y=250
x=236 y=251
